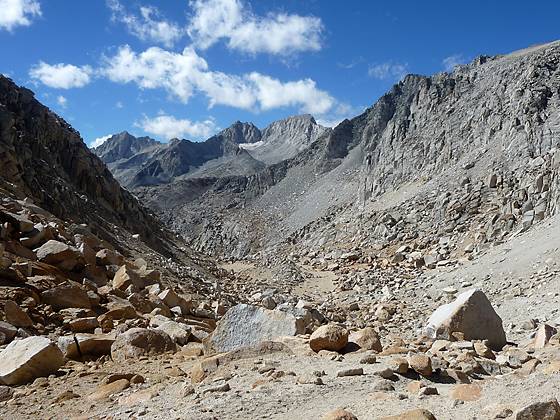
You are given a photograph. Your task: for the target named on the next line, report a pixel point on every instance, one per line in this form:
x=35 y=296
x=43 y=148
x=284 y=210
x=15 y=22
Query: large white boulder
x=24 y=360
x=472 y=315
x=248 y=325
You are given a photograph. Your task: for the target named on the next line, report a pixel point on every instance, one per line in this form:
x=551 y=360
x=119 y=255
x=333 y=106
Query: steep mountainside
x=468 y=155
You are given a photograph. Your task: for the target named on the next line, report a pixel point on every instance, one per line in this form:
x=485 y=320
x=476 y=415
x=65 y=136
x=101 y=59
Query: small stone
x=307 y=378
x=420 y=363
x=350 y=372
x=399 y=365
x=368 y=359
x=105 y=391
x=5 y=393
x=428 y=390
x=417 y=414
x=384 y=385
x=543 y=336
x=339 y=414
x=385 y=373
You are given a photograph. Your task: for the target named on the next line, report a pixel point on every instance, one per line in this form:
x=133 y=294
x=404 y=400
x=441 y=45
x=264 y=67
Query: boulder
x=547 y=410
x=24 y=360
x=79 y=345
x=172 y=299
x=109 y=257
x=179 y=333
x=470 y=314
x=84 y=325
x=16 y=316
x=59 y=254
x=328 y=337
x=66 y=295
x=138 y=342
x=366 y=339
x=247 y=325
x=127 y=276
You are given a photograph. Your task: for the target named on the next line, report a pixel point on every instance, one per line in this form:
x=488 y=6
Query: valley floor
x=521 y=278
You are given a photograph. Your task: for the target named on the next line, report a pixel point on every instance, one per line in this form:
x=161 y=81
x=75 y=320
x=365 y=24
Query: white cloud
x=184 y=74
x=99 y=141
x=61 y=101
x=277 y=33
x=15 y=13
x=61 y=76
x=388 y=70
x=449 y=63
x=148 y=26
x=168 y=127
x=119 y=105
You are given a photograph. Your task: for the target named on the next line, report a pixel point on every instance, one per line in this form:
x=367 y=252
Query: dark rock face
x=239 y=133
x=123 y=146
x=44 y=158
x=143 y=161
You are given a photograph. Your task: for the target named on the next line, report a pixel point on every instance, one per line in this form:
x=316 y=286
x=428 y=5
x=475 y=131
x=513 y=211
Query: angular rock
x=109 y=257
x=8 y=330
x=138 y=342
x=339 y=414
x=80 y=345
x=84 y=325
x=179 y=333
x=16 y=316
x=547 y=410
x=66 y=295
x=366 y=339
x=59 y=254
x=125 y=277
x=172 y=299
x=543 y=335
x=421 y=364
x=24 y=360
x=472 y=315
x=246 y=325
x=328 y=337
x=105 y=391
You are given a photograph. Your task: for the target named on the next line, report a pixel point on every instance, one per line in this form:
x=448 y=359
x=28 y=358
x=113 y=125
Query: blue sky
x=189 y=68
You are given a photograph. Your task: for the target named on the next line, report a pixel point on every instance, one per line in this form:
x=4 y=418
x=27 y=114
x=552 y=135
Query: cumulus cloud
x=388 y=70
x=449 y=63
x=61 y=76
x=99 y=141
x=168 y=127
x=276 y=33
x=61 y=101
x=183 y=74
x=149 y=25
x=14 y=13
